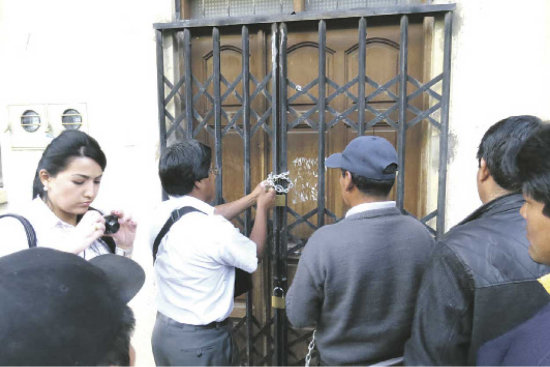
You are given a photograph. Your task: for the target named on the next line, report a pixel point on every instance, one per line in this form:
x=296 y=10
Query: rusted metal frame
x=160 y=96
x=362 y=55
x=381 y=11
x=382 y=116
x=444 y=134
x=280 y=269
x=303 y=118
x=421 y=88
x=302 y=219
x=402 y=133
x=302 y=90
x=202 y=121
x=342 y=89
x=338 y=116
x=177 y=8
x=418 y=111
x=188 y=83
x=216 y=71
x=174 y=90
x=275 y=146
x=160 y=90
x=425 y=114
x=379 y=89
x=247 y=177
x=261 y=88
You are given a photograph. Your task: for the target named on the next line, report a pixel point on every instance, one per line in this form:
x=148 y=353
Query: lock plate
x=280 y=200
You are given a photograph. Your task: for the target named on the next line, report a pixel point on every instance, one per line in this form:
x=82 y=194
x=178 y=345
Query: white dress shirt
x=196 y=260
x=370 y=206
x=50 y=232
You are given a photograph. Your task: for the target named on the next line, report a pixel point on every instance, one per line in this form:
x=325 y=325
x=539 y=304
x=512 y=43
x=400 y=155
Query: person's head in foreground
x=534 y=166
x=369 y=165
x=59 y=309
x=498 y=174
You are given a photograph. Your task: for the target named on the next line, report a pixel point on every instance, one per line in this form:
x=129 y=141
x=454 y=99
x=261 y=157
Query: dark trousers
x=177 y=344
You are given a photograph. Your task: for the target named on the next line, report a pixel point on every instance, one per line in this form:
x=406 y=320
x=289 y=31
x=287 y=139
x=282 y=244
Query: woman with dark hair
x=66 y=182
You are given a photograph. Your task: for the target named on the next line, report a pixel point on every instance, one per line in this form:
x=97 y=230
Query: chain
x=310 y=348
x=276 y=180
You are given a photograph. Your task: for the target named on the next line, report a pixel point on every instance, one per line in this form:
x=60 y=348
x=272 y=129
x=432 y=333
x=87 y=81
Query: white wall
x=101 y=53
x=500 y=67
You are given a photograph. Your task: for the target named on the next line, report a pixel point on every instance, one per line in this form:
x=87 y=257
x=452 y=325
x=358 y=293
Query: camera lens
x=111 y=224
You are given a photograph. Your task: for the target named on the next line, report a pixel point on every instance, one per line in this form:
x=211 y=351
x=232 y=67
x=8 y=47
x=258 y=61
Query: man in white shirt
x=196 y=260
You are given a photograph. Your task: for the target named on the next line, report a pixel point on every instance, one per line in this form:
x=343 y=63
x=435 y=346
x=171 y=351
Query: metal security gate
x=242 y=86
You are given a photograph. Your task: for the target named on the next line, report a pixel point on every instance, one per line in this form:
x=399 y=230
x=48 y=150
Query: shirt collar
x=46 y=215
x=186 y=200
x=545 y=282
x=370 y=206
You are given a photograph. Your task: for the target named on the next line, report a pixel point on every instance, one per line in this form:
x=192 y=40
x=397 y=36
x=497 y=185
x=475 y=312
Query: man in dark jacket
x=480 y=282
x=529 y=343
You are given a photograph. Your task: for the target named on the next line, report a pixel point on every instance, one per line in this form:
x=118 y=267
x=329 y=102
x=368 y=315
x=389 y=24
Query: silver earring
x=45 y=188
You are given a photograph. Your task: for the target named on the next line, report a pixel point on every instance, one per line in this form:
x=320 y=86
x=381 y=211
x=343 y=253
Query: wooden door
x=382 y=64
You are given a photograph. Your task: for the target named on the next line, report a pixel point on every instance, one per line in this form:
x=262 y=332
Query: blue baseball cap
x=366 y=156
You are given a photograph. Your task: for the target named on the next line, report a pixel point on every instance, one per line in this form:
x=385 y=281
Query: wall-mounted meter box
x=29 y=126
x=34 y=126
x=68 y=117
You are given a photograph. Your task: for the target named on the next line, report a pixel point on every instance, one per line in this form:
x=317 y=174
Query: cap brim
x=334 y=161
x=125 y=275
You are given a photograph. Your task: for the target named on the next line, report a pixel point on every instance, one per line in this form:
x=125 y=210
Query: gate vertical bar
x=160 y=97
x=361 y=74
x=275 y=159
x=188 y=83
x=444 y=134
x=217 y=112
x=401 y=138
x=281 y=358
x=246 y=131
x=160 y=91
x=321 y=107
x=177 y=7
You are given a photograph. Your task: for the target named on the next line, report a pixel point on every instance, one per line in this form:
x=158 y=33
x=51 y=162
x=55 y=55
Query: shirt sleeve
x=305 y=295
x=235 y=249
x=442 y=323
x=14 y=237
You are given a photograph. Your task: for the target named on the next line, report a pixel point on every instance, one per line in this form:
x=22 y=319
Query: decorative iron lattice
x=191 y=107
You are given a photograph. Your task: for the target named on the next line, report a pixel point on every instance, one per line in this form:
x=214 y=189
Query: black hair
x=500 y=146
x=182 y=164
x=56 y=157
x=119 y=354
x=370 y=186
x=533 y=163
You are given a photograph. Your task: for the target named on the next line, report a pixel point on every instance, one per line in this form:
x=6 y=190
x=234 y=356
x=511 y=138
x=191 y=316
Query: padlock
x=280 y=200
x=278 y=298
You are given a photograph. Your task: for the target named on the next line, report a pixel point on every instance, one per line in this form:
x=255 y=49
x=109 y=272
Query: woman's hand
x=89 y=229
x=126 y=234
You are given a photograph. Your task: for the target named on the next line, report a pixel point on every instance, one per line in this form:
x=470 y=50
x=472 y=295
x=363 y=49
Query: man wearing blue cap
x=357 y=279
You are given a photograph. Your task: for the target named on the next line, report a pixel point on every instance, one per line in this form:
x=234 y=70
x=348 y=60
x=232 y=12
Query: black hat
x=367 y=156
x=59 y=309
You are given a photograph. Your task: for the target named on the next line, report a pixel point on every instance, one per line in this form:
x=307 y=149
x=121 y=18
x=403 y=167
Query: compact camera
x=111 y=224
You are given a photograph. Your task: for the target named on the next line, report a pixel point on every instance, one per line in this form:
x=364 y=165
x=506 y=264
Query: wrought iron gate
x=192 y=107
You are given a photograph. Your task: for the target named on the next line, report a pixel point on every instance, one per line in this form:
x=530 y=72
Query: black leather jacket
x=480 y=283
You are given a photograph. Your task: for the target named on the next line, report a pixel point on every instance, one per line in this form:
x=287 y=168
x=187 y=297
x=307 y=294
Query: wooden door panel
x=341 y=67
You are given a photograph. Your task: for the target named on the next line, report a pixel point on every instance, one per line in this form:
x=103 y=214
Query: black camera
x=111 y=224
